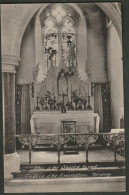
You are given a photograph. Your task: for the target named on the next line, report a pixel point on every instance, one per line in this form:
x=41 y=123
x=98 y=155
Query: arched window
x=50 y=34
x=59 y=38
x=68 y=42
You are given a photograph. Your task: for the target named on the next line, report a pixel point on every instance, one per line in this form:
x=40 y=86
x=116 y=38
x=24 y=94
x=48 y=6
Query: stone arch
x=22 y=23
x=114 y=15
x=14 y=41
x=82 y=57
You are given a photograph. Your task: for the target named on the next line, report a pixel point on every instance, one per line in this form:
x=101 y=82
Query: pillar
x=115 y=74
x=11 y=158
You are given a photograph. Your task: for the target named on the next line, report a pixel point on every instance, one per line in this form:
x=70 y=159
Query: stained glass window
x=59 y=26
x=50 y=43
x=58 y=12
x=68 y=42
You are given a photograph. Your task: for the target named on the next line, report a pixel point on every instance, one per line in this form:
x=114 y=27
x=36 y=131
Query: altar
x=63 y=98
x=50 y=122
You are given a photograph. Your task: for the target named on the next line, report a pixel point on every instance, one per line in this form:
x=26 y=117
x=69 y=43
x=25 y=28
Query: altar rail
x=115 y=140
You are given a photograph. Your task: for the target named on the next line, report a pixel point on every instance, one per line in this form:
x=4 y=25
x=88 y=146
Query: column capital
x=9 y=63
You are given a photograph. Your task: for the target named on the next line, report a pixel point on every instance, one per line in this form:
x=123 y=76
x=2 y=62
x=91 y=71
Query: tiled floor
x=51 y=156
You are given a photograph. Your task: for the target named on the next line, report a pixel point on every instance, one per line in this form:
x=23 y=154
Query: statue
x=62 y=83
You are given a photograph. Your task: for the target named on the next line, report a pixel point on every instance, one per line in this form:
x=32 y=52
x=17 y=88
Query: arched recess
x=12 y=44
x=81 y=41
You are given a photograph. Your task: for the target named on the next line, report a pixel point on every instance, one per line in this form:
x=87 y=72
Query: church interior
x=63 y=107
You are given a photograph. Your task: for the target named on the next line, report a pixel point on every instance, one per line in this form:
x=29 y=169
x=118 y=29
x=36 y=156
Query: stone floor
x=51 y=156
x=97 y=184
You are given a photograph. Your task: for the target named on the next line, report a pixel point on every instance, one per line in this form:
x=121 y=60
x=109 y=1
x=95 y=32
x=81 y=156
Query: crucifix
x=63 y=95
x=37 y=107
x=89 y=106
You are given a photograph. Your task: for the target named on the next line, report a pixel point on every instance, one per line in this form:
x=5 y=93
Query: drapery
x=23 y=109
x=98 y=104
x=102 y=105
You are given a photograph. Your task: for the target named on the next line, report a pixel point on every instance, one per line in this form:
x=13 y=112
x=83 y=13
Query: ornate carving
x=116 y=142
x=86 y=139
x=107 y=137
x=27 y=140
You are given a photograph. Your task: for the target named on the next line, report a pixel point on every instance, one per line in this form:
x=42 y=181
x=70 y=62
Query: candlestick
x=54 y=102
x=32 y=90
x=89 y=106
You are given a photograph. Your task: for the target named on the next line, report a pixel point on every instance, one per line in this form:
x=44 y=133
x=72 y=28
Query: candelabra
x=32 y=89
x=37 y=107
x=89 y=106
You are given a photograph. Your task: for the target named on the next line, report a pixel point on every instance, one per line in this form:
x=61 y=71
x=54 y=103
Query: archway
x=13 y=42
x=81 y=38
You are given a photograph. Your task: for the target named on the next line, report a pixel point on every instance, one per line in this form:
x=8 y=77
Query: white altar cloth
x=45 y=122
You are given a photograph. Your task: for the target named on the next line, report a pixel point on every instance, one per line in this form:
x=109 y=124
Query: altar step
x=47 y=147
x=70 y=173
x=70 y=170
x=59 y=185
x=51 y=165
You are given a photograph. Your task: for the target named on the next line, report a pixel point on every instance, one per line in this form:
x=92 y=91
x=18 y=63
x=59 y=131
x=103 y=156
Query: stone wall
x=96 y=48
x=115 y=74
x=14 y=19
x=27 y=63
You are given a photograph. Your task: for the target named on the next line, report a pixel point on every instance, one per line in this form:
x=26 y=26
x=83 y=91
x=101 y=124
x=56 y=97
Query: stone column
x=11 y=158
x=115 y=67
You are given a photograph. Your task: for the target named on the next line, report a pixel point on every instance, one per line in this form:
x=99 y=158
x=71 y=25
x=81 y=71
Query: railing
x=114 y=140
